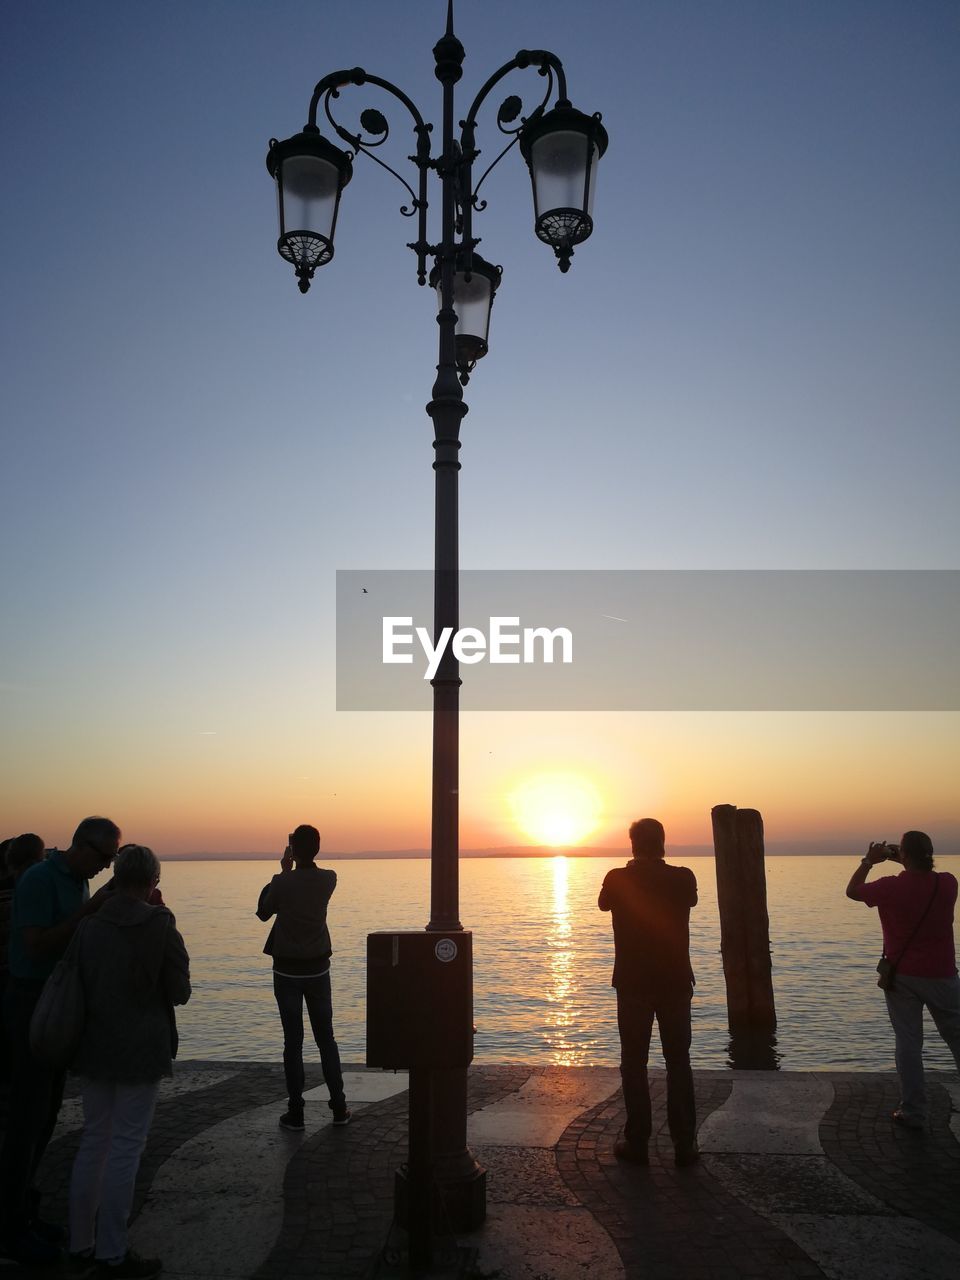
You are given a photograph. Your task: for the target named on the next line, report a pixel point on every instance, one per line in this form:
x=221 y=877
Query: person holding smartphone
x=916 y=914
x=650 y=902
x=299 y=943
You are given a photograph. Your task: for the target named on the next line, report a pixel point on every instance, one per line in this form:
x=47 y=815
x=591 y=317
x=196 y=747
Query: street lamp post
x=562 y=147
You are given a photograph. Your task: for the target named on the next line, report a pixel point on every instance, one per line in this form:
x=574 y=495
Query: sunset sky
x=752 y=364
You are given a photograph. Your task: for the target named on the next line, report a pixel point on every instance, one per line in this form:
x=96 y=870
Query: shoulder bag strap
x=906 y=945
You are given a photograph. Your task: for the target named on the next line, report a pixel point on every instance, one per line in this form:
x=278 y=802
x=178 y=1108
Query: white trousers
x=905 y=1004
x=116 y=1119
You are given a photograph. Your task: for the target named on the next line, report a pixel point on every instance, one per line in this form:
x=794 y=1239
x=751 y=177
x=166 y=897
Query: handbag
x=887 y=968
x=58 y=1020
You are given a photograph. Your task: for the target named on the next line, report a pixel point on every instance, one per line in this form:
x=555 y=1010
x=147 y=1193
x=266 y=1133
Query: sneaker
x=686 y=1154
x=292 y=1120
x=132 y=1267
x=341 y=1115
x=631 y=1152
x=905 y=1122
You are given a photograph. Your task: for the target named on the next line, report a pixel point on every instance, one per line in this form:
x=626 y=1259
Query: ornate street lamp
x=562 y=147
x=473 y=294
x=310 y=173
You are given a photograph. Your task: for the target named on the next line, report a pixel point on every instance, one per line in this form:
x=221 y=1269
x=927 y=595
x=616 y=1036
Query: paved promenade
x=802 y=1175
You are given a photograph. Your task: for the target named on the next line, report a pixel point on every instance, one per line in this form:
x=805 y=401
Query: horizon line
x=779 y=848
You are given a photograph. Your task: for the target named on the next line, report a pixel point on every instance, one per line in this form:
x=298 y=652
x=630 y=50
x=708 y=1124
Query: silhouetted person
x=22 y=852
x=916 y=915
x=651 y=902
x=16 y=855
x=134 y=968
x=49 y=901
x=299 y=943
x=6 y=901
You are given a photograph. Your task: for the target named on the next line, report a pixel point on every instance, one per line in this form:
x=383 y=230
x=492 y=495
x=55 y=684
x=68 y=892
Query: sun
x=556 y=809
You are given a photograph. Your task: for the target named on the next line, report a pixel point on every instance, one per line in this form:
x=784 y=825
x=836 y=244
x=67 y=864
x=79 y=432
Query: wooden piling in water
x=744 y=922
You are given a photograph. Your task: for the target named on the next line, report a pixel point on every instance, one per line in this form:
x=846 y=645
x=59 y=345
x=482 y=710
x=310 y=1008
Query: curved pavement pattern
x=803 y=1175
x=764 y=1146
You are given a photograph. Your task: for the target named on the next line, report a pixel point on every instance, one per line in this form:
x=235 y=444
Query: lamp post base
x=459 y=1195
x=442 y=1190
x=450 y=1262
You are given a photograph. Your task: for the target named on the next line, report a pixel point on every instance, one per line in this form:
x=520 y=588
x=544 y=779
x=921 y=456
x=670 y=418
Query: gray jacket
x=135 y=968
x=298 y=898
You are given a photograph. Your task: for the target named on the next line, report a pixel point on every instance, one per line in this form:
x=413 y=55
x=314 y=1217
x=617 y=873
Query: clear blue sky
x=753 y=363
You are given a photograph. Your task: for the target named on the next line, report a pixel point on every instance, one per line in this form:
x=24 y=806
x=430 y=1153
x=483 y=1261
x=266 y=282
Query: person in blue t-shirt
x=49 y=902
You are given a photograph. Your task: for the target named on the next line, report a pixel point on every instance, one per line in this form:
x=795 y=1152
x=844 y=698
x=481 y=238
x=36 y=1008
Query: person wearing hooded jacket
x=134 y=968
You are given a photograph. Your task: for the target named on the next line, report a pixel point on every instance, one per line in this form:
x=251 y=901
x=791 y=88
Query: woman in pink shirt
x=916 y=915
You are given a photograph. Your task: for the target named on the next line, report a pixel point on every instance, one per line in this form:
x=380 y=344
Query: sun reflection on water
x=563 y=989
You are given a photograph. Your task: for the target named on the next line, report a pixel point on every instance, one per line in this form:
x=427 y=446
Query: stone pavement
x=803 y=1174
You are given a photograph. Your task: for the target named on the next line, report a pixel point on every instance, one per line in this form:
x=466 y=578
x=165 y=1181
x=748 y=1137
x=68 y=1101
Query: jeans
x=905 y=1006
x=635 y=1014
x=116 y=1118
x=291 y=994
x=35 y=1095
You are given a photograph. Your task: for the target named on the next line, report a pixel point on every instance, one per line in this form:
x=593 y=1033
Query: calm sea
x=543 y=957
